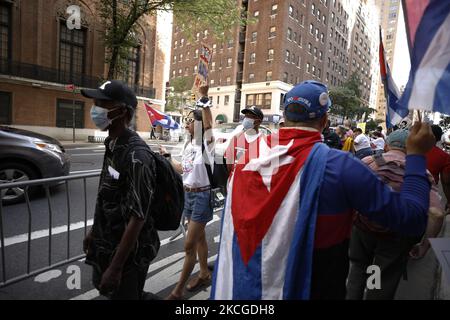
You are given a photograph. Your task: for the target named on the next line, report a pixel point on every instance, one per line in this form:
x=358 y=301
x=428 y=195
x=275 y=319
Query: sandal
x=197 y=283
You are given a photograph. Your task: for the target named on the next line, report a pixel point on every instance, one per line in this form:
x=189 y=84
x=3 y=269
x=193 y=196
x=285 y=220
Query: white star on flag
x=269 y=161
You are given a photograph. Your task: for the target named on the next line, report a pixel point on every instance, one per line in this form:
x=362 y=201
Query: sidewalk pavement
x=443 y=285
x=425 y=279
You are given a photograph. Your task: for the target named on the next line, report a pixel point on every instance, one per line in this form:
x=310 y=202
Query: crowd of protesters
x=366 y=199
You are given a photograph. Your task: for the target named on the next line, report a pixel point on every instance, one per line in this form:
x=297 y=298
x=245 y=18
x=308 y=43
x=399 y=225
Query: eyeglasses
x=188 y=120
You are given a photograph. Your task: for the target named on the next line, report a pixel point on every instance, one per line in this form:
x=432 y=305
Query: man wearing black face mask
x=123 y=240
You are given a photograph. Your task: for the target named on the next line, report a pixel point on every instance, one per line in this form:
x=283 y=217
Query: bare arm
x=206 y=112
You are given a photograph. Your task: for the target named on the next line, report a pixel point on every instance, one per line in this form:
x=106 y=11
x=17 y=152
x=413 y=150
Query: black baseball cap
x=113 y=90
x=255 y=111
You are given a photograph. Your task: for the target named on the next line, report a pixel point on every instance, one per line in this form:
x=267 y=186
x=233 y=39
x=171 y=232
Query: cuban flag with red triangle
x=268 y=223
x=159 y=118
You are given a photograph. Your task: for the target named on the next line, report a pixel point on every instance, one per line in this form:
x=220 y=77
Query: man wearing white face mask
x=245 y=142
x=123 y=239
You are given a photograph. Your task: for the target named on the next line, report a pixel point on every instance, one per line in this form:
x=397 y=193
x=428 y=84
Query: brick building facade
x=40 y=56
x=290 y=42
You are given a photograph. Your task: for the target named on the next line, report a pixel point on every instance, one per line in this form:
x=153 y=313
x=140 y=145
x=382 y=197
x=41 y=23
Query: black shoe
x=211 y=266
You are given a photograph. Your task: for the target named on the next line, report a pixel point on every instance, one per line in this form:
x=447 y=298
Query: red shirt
x=240 y=150
x=438 y=162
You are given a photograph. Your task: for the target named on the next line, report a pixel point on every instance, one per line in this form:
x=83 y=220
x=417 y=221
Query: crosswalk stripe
x=159 y=281
x=175 y=270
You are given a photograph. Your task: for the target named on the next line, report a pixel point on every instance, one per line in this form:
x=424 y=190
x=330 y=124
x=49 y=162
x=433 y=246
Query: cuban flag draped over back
x=159 y=118
x=394 y=111
x=268 y=223
x=428 y=26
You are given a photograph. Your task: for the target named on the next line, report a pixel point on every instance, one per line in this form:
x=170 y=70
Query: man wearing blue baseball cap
x=288 y=215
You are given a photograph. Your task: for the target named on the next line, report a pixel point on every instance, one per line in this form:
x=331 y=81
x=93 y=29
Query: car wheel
x=16 y=172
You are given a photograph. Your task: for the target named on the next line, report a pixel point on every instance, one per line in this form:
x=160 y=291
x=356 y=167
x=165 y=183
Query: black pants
x=390 y=255
x=330 y=270
x=131 y=285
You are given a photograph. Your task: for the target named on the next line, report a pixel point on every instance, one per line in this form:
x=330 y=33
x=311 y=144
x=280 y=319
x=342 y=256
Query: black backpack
x=168 y=199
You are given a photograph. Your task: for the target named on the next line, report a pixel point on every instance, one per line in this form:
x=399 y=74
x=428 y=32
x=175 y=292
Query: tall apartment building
x=389 y=11
x=40 y=55
x=291 y=41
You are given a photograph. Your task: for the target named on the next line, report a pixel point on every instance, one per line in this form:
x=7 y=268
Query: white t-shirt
x=361 y=142
x=379 y=143
x=194 y=170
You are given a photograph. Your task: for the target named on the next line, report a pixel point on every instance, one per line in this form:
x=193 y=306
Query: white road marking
x=44 y=233
x=87 y=148
x=202 y=295
x=161 y=280
x=216 y=239
x=169 y=276
x=85 y=171
x=47 y=276
x=86 y=154
x=153 y=267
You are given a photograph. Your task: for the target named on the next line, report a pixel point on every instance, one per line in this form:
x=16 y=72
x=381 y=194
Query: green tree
x=347 y=102
x=179 y=95
x=371 y=125
x=120 y=20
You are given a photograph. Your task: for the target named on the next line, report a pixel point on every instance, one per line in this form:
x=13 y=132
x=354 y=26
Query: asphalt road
x=163 y=274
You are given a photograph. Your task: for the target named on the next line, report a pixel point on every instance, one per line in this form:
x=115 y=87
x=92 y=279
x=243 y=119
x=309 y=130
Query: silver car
x=26 y=155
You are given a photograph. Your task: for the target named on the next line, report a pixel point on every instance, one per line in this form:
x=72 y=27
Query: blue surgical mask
x=248 y=123
x=100 y=118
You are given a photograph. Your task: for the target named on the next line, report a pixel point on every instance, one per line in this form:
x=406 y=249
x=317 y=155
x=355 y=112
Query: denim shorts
x=197 y=206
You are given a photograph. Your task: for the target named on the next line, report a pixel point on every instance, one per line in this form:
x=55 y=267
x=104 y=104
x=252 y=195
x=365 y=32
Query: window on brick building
x=269 y=76
x=252 y=57
x=289 y=34
x=254 y=35
x=5 y=31
x=5 y=108
x=274 y=9
x=130 y=72
x=270 y=54
x=272 y=32
x=64 y=113
x=72 y=47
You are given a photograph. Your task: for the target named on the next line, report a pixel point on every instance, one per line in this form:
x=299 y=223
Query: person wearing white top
x=197 y=196
x=361 y=144
x=377 y=142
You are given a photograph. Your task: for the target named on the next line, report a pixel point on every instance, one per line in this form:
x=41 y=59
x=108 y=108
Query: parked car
x=225 y=132
x=26 y=155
